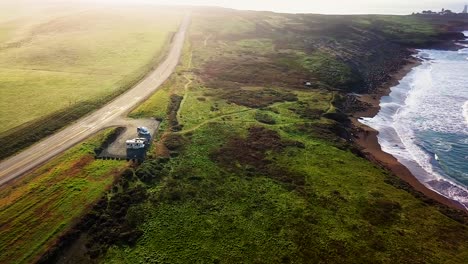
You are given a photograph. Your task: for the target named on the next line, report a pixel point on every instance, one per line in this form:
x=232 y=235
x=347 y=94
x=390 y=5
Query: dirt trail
x=212 y=120
x=186 y=87
x=85 y=127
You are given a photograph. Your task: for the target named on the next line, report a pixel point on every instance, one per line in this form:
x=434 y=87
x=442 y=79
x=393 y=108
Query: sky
x=322 y=6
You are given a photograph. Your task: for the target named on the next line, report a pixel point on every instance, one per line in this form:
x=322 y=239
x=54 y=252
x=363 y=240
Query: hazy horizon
x=323 y=7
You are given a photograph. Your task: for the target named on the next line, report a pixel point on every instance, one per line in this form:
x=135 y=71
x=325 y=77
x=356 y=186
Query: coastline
x=366 y=137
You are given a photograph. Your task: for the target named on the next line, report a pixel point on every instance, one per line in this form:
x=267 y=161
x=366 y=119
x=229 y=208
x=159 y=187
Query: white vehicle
x=143 y=131
x=136 y=143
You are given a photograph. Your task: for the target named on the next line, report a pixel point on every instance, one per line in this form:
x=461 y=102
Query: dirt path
x=216 y=118
x=186 y=86
x=212 y=120
x=85 y=127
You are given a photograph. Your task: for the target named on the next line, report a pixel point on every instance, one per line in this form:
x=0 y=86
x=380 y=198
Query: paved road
x=105 y=117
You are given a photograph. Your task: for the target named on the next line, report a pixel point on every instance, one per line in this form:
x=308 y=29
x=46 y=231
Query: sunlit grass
x=38 y=208
x=345 y=211
x=80 y=56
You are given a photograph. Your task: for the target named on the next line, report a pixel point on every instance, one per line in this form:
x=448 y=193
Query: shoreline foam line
x=465 y=112
x=401 y=129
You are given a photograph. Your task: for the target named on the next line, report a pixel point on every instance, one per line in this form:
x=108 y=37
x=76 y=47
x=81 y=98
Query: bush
x=382 y=212
x=172 y=110
x=150 y=171
x=305 y=111
x=258 y=99
x=136 y=215
x=128 y=174
x=174 y=142
x=264 y=118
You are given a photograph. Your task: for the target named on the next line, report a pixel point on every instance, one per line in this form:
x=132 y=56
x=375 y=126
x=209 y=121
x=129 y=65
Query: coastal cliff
x=263 y=165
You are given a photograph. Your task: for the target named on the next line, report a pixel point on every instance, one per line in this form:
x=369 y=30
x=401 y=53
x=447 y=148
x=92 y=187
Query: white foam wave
x=453 y=191
x=465 y=112
x=419 y=104
x=427 y=107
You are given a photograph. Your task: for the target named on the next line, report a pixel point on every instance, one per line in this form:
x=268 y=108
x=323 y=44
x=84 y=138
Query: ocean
x=424 y=122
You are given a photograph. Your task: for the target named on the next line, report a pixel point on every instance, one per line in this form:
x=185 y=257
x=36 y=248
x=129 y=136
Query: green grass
x=228 y=217
x=197 y=110
x=345 y=186
x=402 y=29
x=328 y=69
x=156 y=106
x=45 y=203
x=62 y=61
x=25 y=94
x=313 y=201
x=255 y=46
x=227 y=195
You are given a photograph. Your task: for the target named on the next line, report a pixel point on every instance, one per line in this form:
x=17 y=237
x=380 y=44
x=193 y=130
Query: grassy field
x=269 y=180
x=324 y=210
x=250 y=166
x=56 y=64
x=308 y=204
x=56 y=61
x=43 y=205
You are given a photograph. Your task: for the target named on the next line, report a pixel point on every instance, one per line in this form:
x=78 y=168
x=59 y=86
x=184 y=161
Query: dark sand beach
x=366 y=138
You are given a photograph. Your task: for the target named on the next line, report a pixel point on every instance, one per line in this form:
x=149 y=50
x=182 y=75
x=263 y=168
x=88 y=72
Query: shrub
x=264 y=118
x=136 y=215
x=258 y=99
x=172 y=110
x=174 y=142
x=150 y=171
x=382 y=212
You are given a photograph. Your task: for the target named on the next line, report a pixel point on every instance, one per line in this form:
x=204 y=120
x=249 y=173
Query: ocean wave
x=465 y=112
x=427 y=107
x=442 y=145
x=418 y=106
x=450 y=190
x=415 y=153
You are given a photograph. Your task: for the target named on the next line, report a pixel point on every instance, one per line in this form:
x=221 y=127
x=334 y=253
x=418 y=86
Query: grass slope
x=50 y=63
x=269 y=180
x=341 y=211
x=43 y=205
x=201 y=213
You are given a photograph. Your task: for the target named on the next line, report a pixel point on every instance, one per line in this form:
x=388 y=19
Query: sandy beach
x=366 y=138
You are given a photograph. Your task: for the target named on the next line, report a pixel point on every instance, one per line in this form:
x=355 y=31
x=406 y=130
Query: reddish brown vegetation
x=78 y=166
x=250 y=156
x=257 y=99
x=231 y=73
